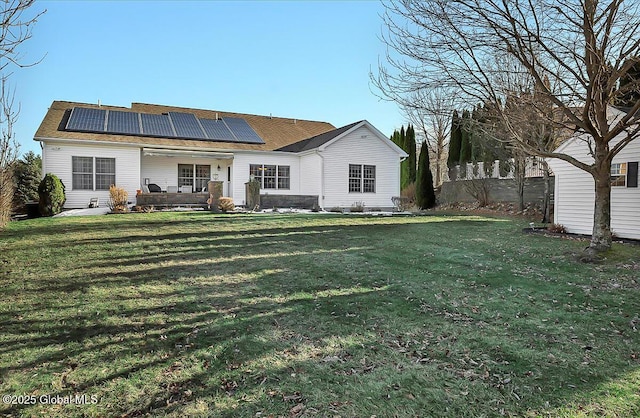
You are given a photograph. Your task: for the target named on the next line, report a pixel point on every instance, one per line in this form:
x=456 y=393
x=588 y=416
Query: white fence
x=533 y=168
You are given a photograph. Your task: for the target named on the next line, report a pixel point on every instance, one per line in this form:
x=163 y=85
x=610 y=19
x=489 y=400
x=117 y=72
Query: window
x=185 y=175
x=362 y=178
x=369 y=179
x=203 y=175
x=284 y=177
x=355 y=178
x=83 y=173
x=271 y=176
x=195 y=175
x=619 y=174
x=105 y=173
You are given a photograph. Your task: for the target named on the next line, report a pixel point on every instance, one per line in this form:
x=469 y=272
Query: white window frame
x=94 y=174
x=618 y=174
x=258 y=171
x=362 y=178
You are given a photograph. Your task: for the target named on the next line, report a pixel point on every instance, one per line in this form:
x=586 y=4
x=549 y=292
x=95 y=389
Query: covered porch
x=172 y=177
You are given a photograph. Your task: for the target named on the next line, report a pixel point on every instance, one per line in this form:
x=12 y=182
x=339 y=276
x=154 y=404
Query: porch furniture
x=186 y=189
x=94 y=202
x=154 y=188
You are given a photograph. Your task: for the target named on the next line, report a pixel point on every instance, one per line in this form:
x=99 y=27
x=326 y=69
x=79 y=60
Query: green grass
x=193 y=314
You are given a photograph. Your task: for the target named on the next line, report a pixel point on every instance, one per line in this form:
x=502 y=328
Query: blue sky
x=298 y=59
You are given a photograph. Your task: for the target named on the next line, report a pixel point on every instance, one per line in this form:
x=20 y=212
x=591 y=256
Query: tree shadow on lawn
x=202 y=323
x=234 y=343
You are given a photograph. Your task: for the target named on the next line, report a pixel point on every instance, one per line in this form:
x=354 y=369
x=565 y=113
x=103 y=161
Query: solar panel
x=123 y=122
x=243 y=131
x=86 y=119
x=186 y=125
x=156 y=125
x=217 y=130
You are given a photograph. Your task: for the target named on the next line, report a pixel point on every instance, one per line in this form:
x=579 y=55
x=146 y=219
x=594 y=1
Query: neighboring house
x=575 y=189
x=91 y=147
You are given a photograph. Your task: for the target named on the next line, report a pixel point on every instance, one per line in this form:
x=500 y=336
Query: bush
x=225 y=204
x=118 y=199
x=410 y=193
x=51 y=193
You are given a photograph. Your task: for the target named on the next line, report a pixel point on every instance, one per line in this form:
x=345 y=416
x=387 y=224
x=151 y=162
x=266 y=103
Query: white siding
x=240 y=175
x=311 y=174
x=361 y=146
x=163 y=171
x=575 y=195
x=57 y=160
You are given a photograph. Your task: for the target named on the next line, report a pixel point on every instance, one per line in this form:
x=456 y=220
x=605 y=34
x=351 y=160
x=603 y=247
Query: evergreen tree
x=465 y=147
x=404 y=166
x=411 y=150
x=455 y=142
x=425 y=195
x=27 y=174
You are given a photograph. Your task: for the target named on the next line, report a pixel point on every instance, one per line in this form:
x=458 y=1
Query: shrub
x=357 y=207
x=410 y=193
x=225 y=204
x=118 y=199
x=51 y=193
x=336 y=209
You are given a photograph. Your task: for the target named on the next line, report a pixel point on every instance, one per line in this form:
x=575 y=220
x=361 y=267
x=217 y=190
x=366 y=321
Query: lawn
x=194 y=314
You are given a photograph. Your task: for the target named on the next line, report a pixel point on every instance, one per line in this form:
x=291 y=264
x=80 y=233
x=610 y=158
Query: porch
x=167 y=171
x=173 y=199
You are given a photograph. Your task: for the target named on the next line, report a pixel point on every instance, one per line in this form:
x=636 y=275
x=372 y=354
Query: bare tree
x=15 y=29
x=585 y=47
x=430 y=112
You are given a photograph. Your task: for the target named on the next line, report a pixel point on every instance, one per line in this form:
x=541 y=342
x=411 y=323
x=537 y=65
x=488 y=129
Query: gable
x=325 y=140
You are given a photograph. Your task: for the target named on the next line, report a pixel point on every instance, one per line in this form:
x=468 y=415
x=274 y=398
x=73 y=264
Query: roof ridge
x=134 y=104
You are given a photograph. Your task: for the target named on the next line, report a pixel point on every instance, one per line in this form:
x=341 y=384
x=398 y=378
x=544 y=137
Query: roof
x=318 y=140
x=276 y=132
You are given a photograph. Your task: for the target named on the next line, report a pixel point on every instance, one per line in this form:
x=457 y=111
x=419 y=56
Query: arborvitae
x=465 y=147
x=404 y=166
x=455 y=142
x=425 y=195
x=411 y=150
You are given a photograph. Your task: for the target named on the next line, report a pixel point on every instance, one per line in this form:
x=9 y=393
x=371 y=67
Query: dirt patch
x=531 y=212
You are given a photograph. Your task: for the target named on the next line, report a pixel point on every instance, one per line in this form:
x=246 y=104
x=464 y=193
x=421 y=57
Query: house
x=89 y=147
x=574 y=195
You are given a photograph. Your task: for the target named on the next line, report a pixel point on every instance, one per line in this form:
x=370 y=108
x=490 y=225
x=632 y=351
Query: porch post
x=215 y=193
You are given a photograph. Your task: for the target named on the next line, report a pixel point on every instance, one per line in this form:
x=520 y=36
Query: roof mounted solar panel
x=187 y=125
x=217 y=130
x=156 y=125
x=123 y=122
x=243 y=131
x=85 y=119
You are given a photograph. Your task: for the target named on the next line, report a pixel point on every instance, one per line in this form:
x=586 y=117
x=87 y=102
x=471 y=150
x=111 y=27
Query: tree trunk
x=546 y=202
x=601 y=236
x=519 y=177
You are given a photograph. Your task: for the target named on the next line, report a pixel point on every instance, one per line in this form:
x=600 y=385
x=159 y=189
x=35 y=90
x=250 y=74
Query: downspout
x=318 y=152
x=400 y=175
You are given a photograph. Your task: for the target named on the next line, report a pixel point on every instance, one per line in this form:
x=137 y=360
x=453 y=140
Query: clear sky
x=297 y=59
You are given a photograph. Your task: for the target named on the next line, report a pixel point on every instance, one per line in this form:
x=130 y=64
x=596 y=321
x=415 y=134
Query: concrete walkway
x=84 y=212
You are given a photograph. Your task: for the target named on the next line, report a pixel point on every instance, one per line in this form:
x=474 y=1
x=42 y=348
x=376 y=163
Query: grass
x=194 y=314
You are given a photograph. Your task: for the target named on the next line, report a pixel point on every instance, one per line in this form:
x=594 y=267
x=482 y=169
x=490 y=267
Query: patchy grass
x=193 y=314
